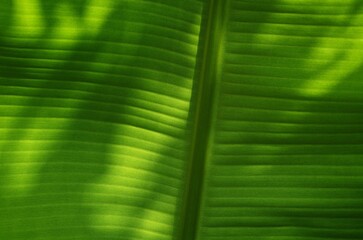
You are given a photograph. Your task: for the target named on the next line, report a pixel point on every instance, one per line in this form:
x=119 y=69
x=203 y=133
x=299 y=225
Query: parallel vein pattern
x=287 y=158
x=94 y=101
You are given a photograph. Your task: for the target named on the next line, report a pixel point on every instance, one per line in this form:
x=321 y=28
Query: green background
x=168 y=119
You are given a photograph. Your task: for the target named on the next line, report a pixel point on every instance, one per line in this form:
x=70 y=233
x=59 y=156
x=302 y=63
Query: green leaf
x=183 y=120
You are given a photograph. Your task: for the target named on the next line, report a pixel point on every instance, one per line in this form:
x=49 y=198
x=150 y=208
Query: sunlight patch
x=129 y=180
x=96 y=14
x=348 y=60
x=28 y=19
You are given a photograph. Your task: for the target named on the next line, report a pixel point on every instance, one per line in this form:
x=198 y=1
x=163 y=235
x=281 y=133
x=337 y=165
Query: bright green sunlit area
x=181 y=120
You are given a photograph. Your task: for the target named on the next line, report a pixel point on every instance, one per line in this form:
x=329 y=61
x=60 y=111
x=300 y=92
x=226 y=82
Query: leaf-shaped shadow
x=287 y=151
x=94 y=122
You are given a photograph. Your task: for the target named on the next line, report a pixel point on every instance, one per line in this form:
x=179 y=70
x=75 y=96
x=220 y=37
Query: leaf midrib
x=206 y=78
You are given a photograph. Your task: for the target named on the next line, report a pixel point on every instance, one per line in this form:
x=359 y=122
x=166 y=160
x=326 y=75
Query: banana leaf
x=181 y=120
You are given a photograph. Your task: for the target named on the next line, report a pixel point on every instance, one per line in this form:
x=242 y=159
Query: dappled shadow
x=93 y=122
x=288 y=147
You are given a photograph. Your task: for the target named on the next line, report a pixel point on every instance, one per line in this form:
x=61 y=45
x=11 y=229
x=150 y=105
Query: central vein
x=206 y=77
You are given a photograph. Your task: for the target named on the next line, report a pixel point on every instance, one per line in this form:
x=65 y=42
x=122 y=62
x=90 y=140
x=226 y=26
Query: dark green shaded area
x=184 y=120
x=93 y=120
